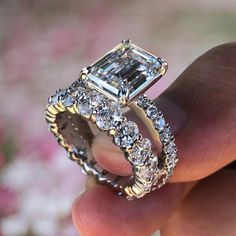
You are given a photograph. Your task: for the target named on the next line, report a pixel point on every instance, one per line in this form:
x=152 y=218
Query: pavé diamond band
x=97 y=101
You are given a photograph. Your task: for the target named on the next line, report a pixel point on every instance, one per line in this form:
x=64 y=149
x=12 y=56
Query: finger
x=200 y=106
x=100 y=212
x=110 y=156
x=208 y=210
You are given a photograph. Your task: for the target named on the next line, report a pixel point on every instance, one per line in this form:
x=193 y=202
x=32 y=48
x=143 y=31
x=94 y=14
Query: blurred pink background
x=43 y=46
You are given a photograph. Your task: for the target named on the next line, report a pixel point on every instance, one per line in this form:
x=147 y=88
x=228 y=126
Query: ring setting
x=96 y=103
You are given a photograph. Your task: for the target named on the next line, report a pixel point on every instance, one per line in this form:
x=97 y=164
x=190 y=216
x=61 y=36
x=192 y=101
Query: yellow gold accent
x=72 y=109
x=49 y=114
x=93 y=118
x=52 y=109
x=60 y=107
x=50 y=119
x=112 y=132
x=147 y=122
x=54 y=128
x=129 y=191
x=63 y=143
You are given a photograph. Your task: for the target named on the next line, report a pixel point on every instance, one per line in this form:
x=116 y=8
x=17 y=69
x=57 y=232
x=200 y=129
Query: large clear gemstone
x=127 y=134
x=126 y=66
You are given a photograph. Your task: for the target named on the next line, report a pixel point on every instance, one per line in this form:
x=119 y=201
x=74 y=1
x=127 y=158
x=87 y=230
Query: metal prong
x=126 y=41
x=123 y=96
x=84 y=72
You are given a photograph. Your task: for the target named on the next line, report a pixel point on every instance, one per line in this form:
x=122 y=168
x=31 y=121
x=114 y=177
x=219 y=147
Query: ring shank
x=75 y=132
x=79 y=135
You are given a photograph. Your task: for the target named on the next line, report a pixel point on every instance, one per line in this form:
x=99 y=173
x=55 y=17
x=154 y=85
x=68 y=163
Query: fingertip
x=90 y=213
x=100 y=211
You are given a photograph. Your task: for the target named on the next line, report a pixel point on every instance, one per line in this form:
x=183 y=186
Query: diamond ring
x=97 y=102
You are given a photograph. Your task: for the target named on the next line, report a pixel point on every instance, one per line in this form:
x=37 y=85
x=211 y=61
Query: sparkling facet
x=166 y=135
x=140 y=152
x=145 y=143
x=148 y=172
x=108 y=117
x=97 y=100
x=80 y=92
x=152 y=112
x=170 y=148
x=170 y=162
x=84 y=104
x=127 y=134
x=67 y=100
x=76 y=84
x=143 y=101
x=55 y=98
x=126 y=65
x=160 y=123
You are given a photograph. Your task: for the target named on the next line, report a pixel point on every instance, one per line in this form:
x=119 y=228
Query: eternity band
x=98 y=102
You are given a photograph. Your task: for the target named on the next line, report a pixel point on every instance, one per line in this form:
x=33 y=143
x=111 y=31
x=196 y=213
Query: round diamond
x=76 y=84
x=80 y=92
x=150 y=170
x=146 y=144
x=140 y=152
x=170 y=148
x=145 y=173
x=68 y=100
x=152 y=112
x=171 y=162
x=160 y=123
x=55 y=98
x=143 y=101
x=166 y=135
x=108 y=117
x=127 y=134
x=97 y=100
x=83 y=104
x=137 y=156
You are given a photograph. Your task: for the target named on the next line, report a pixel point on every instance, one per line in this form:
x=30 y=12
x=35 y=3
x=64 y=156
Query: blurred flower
x=44 y=199
x=8 y=201
x=2 y=160
x=43 y=146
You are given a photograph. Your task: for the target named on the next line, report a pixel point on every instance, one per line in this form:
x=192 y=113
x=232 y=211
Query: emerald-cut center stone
x=125 y=72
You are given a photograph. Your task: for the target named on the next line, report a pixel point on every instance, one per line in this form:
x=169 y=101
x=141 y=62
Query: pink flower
x=8 y=201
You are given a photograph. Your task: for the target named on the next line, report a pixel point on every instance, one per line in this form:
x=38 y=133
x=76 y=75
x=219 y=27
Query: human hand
x=201 y=104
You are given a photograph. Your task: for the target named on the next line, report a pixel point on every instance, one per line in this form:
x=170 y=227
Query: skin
x=200 y=198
